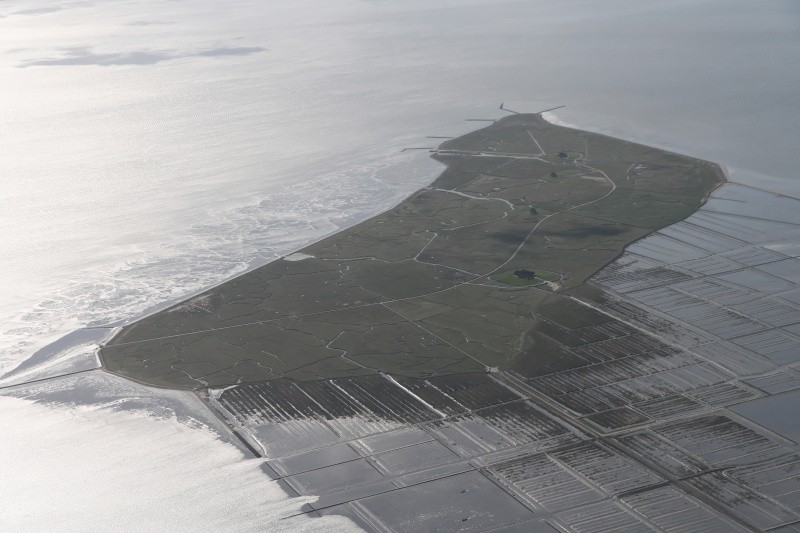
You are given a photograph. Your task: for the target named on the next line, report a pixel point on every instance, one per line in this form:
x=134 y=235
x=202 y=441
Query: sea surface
x=97 y=453
x=149 y=150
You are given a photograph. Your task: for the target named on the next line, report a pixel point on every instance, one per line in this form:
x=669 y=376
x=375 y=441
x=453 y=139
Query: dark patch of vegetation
x=594 y=231
x=512 y=237
x=525 y=274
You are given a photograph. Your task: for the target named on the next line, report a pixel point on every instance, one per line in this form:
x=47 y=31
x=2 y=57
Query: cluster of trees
x=524 y=274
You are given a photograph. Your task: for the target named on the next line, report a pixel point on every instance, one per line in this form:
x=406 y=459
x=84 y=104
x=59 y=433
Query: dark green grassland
x=428 y=288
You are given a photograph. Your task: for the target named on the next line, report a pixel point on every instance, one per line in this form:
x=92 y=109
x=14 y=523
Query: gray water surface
x=150 y=150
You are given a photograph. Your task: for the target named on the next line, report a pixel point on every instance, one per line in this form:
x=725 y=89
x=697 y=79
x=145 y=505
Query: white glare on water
x=151 y=149
x=84 y=468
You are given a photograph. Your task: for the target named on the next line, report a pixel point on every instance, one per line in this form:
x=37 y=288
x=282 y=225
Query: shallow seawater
x=777 y=413
x=150 y=150
x=97 y=453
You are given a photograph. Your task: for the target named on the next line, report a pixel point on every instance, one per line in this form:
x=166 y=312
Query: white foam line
x=423 y=402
